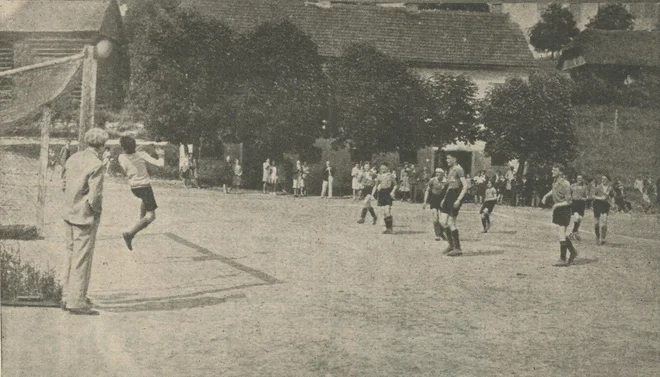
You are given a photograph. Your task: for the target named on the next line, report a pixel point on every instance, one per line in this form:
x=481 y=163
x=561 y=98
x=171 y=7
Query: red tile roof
x=422 y=38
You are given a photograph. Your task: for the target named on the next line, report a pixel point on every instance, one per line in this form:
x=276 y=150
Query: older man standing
x=84 y=198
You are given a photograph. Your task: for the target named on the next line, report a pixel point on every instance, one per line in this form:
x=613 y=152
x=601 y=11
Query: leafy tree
x=181 y=70
x=612 y=17
x=454 y=109
x=531 y=121
x=377 y=105
x=278 y=105
x=555 y=29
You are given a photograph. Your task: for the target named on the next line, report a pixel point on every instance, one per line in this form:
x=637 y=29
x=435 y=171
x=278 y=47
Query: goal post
x=34 y=88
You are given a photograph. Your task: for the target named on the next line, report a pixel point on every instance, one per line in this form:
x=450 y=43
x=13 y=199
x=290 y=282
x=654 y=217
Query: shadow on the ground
x=502 y=232
x=583 y=261
x=168 y=305
x=482 y=253
x=407 y=232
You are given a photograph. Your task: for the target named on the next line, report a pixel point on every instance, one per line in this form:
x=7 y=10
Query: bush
x=23 y=279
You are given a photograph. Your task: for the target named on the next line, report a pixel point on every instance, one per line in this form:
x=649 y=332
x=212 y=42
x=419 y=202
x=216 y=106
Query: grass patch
x=20 y=279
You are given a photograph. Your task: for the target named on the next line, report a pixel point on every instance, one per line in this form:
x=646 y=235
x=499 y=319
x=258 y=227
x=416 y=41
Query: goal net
x=24 y=93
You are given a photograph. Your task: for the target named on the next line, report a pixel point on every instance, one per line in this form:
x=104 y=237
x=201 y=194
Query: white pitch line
x=588 y=232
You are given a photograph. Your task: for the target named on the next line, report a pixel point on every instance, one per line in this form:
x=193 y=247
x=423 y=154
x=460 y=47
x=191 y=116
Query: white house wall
x=484 y=79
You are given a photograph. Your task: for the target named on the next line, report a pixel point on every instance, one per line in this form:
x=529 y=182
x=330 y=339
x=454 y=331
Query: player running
x=367 y=178
x=561 y=213
x=490 y=199
x=135 y=166
x=386 y=187
x=579 y=193
x=435 y=192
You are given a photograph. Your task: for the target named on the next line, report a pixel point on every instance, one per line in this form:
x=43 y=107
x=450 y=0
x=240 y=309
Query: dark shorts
x=385 y=197
x=578 y=207
x=562 y=216
x=489 y=205
x=146 y=194
x=450 y=199
x=601 y=207
x=367 y=190
x=435 y=200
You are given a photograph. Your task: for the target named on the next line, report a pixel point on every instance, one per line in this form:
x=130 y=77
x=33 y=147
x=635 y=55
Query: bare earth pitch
x=253 y=285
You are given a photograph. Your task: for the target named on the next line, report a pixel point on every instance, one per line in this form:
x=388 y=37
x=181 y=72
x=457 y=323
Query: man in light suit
x=83 y=187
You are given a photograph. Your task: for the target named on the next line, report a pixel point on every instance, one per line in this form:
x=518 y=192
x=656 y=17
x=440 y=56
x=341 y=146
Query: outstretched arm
x=160 y=162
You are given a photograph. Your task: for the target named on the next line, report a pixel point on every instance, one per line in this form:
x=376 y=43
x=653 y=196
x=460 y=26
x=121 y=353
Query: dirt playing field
x=255 y=285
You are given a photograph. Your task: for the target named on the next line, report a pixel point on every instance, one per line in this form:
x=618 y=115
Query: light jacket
x=83 y=188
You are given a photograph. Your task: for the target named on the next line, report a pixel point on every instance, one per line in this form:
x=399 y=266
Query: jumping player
x=561 y=213
x=435 y=192
x=603 y=193
x=135 y=166
x=367 y=178
x=386 y=187
x=456 y=188
x=490 y=199
x=579 y=203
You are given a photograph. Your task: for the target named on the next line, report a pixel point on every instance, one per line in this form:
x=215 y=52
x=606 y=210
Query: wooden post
x=87 y=95
x=616 y=119
x=601 y=130
x=240 y=152
x=43 y=170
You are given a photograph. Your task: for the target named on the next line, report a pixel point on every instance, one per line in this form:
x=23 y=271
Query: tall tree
x=555 y=29
x=612 y=17
x=278 y=105
x=181 y=68
x=453 y=111
x=377 y=105
x=531 y=121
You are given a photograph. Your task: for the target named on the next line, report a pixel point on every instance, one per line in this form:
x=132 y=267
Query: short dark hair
x=384 y=164
x=451 y=154
x=560 y=167
x=127 y=144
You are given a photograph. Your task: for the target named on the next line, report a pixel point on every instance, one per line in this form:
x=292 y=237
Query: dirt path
x=253 y=285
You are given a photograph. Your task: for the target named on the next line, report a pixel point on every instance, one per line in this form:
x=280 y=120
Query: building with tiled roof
x=488 y=47
x=32 y=31
x=527 y=13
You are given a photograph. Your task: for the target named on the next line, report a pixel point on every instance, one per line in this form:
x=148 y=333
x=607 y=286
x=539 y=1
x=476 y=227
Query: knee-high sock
x=364 y=213
x=450 y=237
x=437 y=228
x=457 y=241
x=597 y=230
x=576 y=226
x=389 y=222
x=372 y=212
x=484 y=222
x=603 y=232
x=562 y=250
x=571 y=249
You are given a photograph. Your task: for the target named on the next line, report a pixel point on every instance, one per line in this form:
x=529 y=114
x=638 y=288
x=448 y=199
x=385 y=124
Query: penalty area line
x=497 y=214
x=208 y=253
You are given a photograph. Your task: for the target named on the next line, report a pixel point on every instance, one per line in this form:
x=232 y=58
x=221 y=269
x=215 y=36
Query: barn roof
x=436 y=38
x=55 y=16
x=613 y=47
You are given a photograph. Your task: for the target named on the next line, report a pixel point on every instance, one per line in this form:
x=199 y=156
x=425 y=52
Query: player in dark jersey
x=451 y=204
x=579 y=193
x=603 y=194
x=490 y=199
x=435 y=192
x=561 y=213
x=367 y=180
x=386 y=187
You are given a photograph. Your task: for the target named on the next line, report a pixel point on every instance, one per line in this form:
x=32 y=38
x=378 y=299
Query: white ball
x=103 y=49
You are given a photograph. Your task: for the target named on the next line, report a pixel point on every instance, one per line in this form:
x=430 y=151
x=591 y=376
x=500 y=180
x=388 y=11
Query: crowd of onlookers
x=512 y=189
